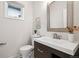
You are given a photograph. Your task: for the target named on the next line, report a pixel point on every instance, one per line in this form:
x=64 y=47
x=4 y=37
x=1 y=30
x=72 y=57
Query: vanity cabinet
x=43 y=51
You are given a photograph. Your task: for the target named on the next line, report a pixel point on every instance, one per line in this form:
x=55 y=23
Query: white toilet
x=27 y=50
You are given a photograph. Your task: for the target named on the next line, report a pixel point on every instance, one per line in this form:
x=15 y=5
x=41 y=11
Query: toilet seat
x=26 y=47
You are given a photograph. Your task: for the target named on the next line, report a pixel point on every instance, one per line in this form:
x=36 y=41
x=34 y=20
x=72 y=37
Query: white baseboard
x=12 y=57
x=15 y=56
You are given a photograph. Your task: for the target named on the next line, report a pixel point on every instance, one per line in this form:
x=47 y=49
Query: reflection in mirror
x=57 y=15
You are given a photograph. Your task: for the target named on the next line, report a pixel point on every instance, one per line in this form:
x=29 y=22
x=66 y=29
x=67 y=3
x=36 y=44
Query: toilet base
x=30 y=55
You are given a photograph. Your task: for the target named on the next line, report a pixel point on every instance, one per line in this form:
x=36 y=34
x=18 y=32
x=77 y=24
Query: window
x=14 y=10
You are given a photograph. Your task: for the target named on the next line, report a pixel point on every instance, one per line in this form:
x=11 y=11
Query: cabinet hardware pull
x=40 y=50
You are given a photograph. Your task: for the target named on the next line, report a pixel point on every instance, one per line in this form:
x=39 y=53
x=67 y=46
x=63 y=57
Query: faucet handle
x=59 y=37
x=54 y=35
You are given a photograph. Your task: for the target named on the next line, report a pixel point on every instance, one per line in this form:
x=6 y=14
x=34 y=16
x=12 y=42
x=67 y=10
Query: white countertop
x=61 y=45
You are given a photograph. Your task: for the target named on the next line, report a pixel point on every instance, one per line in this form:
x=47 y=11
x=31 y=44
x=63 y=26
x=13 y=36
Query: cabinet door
x=41 y=51
x=40 y=54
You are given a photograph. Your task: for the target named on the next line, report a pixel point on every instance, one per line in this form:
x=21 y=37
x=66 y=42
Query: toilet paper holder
x=2 y=43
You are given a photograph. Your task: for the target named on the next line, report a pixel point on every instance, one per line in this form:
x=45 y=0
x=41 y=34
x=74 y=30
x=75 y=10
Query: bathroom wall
x=40 y=10
x=76 y=14
x=76 y=17
x=15 y=32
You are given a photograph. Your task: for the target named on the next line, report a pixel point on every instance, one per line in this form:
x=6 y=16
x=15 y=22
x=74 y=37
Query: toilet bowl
x=26 y=51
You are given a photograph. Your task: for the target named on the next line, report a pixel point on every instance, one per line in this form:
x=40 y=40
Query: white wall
x=15 y=32
x=76 y=14
x=76 y=17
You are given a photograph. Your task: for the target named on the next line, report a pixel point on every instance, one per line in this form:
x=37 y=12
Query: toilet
x=27 y=51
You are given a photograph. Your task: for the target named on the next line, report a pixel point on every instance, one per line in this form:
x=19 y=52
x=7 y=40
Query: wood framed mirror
x=60 y=16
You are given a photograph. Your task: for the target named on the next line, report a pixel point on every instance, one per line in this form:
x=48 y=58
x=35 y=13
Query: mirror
x=59 y=16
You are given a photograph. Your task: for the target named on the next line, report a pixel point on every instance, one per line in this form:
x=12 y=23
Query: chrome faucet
x=56 y=36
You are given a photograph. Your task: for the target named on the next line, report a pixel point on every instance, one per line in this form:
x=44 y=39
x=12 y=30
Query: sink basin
x=61 y=45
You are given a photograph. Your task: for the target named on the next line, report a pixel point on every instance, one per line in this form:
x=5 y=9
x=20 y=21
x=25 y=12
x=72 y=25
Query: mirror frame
x=69 y=18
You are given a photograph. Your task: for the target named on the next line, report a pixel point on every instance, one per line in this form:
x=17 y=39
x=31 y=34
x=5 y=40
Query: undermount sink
x=59 y=44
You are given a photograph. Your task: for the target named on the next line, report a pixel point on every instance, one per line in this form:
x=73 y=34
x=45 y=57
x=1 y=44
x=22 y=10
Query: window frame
x=11 y=17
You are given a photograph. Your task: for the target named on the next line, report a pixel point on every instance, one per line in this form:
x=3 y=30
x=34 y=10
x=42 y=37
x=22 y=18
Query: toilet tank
x=32 y=41
x=34 y=38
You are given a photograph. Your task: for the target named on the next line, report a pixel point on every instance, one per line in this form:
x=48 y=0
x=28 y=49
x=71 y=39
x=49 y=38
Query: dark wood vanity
x=43 y=51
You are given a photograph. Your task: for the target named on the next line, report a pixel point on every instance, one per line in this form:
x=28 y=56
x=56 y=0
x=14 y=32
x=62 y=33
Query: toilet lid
x=27 y=47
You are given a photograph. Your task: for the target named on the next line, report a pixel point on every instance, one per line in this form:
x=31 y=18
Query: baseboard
x=12 y=57
x=15 y=56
